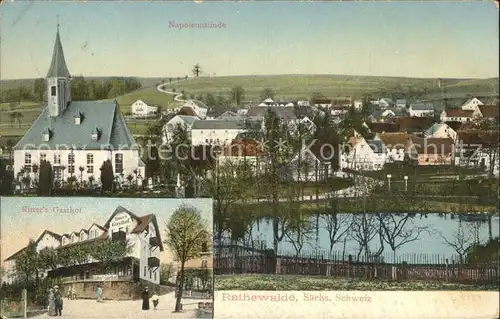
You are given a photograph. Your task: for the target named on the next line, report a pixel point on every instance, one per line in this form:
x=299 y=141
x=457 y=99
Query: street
x=127 y=309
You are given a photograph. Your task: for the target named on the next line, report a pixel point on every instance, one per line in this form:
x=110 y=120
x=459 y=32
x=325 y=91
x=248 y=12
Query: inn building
x=140 y=265
x=76 y=137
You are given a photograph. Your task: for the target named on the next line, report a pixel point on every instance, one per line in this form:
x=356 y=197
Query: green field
x=318 y=283
x=301 y=86
x=151 y=95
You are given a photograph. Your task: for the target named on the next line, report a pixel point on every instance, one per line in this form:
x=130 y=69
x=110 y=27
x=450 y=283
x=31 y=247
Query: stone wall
x=112 y=290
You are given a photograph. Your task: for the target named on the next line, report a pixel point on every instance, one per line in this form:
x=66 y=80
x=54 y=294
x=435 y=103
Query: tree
x=107 y=177
x=186 y=233
x=237 y=94
x=129 y=179
x=81 y=169
x=298 y=229
x=109 y=251
x=48 y=258
x=27 y=264
x=166 y=271
x=196 y=70
x=39 y=90
x=461 y=240
x=396 y=232
x=45 y=179
x=337 y=225
x=267 y=93
x=364 y=229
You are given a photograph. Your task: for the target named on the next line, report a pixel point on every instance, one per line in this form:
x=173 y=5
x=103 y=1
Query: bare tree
x=398 y=230
x=460 y=241
x=336 y=224
x=364 y=229
x=299 y=229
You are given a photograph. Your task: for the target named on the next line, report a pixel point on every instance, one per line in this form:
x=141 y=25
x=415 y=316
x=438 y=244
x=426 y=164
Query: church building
x=76 y=137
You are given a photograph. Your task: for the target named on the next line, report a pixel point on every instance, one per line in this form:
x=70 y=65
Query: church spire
x=58 y=67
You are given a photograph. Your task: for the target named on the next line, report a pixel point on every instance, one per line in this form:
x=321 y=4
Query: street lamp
x=406 y=183
x=389 y=181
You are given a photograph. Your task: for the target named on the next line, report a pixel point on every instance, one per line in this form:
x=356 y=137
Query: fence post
x=24 y=300
x=278 y=266
x=446 y=270
x=349 y=266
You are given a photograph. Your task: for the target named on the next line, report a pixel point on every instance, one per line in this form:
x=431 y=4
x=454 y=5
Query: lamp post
x=406 y=183
x=389 y=182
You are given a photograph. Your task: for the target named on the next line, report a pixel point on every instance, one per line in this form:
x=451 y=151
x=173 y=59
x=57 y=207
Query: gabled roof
x=432 y=146
x=45 y=232
x=435 y=127
x=470 y=100
x=400 y=101
x=413 y=124
x=422 y=107
x=475 y=137
x=104 y=115
x=489 y=111
x=98 y=226
x=58 y=67
x=243 y=147
x=455 y=125
x=394 y=140
x=285 y=113
x=376 y=145
x=218 y=125
x=383 y=127
x=188 y=119
x=458 y=113
x=186 y=110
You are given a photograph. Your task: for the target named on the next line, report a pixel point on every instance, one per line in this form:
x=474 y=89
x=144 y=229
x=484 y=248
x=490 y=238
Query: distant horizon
x=267 y=75
x=452 y=40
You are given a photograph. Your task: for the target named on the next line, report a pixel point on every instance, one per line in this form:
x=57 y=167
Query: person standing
x=58 y=300
x=145 y=299
x=155 y=300
x=99 y=293
x=52 y=304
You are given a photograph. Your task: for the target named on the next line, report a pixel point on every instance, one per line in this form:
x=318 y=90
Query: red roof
x=243 y=147
x=458 y=113
x=489 y=111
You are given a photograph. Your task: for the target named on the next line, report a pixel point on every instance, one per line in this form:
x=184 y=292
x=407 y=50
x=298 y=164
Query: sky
x=18 y=227
x=413 y=39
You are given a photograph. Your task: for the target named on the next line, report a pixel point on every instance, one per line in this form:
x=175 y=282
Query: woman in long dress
x=52 y=303
x=145 y=299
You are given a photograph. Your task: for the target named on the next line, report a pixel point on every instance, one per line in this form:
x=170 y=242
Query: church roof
x=103 y=115
x=58 y=67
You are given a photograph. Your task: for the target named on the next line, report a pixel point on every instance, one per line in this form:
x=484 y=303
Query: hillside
x=302 y=86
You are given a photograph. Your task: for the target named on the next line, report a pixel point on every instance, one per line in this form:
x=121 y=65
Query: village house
x=490 y=112
x=360 y=155
x=244 y=150
x=477 y=148
x=381 y=116
x=401 y=103
x=471 y=104
x=184 y=121
x=313 y=162
x=322 y=103
x=141 y=264
x=421 y=110
x=457 y=115
x=216 y=132
x=198 y=108
x=374 y=128
x=430 y=151
x=230 y=115
x=270 y=102
x=143 y=108
x=414 y=125
x=305 y=103
x=394 y=145
x=358 y=105
x=75 y=135
x=385 y=102
x=440 y=130
x=285 y=114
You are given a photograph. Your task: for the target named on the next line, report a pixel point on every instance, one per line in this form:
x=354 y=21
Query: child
x=155 y=299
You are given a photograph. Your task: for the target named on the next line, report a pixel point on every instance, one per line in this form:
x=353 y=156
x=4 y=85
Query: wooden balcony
x=153 y=262
x=154 y=241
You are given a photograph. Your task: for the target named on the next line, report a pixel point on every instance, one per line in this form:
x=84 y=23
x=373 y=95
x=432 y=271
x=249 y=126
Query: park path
x=127 y=309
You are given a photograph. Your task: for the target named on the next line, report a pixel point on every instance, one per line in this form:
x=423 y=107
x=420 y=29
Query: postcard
x=349 y=150
x=107 y=258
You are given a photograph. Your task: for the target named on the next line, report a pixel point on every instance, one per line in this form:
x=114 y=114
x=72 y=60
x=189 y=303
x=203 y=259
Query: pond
x=434 y=236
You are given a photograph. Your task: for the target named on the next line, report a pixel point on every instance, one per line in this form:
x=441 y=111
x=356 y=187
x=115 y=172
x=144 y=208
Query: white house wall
x=130 y=161
x=205 y=137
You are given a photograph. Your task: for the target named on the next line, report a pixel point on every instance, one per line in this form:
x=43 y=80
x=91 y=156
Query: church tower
x=58 y=81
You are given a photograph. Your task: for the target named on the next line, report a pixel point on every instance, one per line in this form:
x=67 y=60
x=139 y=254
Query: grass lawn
x=388 y=205
x=421 y=172
x=151 y=95
x=29 y=116
x=301 y=86
x=18 y=106
x=311 y=283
